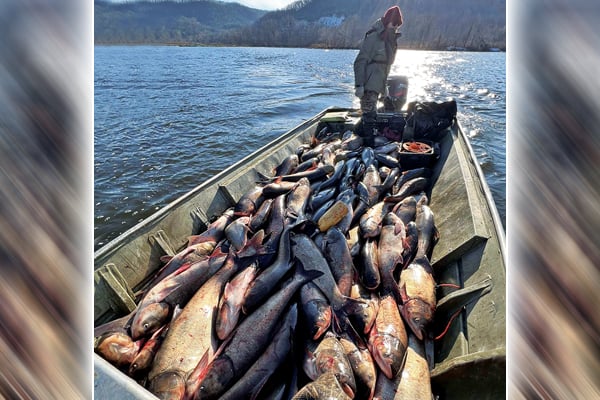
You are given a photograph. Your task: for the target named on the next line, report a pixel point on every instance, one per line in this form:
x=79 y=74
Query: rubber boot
x=369 y=125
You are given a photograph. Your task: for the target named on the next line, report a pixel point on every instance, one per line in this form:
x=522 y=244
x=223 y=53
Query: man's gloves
x=359 y=92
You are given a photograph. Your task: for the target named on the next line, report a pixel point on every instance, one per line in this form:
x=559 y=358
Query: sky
x=259 y=4
x=263 y=4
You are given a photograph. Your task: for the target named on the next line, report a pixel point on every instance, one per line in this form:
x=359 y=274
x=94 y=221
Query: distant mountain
x=168 y=21
x=428 y=24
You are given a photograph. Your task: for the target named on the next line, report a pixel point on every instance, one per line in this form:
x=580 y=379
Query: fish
x=387 y=160
x=253 y=380
x=339 y=258
x=335 y=177
x=287 y=165
x=191 y=335
x=230 y=306
x=372 y=181
x=214 y=232
x=385 y=388
x=325 y=387
x=417 y=289
x=410 y=244
x=368 y=156
x=363 y=367
x=278 y=187
x=388 y=338
x=406 y=209
x=261 y=216
x=297 y=201
x=409 y=188
x=369 y=257
x=265 y=282
x=414 y=382
x=273 y=231
x=168 y=386
x=388 y=184
x=237 y=232
x=331 y=358
x=315 y=310
x=352 y=142
x=121 y=324
x=198 y=251
x=322 y=197
x=428 y=235
x=361 y=308
x=249 y=202
x=176 y=289
x=362 y=204
x=143 y=360
x=386 y=148
x=313 y=174
x=309 y=360
x=313 y=152
x=412 y=174
x=370 y=222
x=246 y=342
x=118 y=348
x=304 y=166
x=310 y=256
x=389 y=250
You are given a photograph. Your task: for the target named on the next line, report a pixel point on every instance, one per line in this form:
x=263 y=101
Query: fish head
x=417 y=315
x=149 y=319
x=388 y=352
x=323 y=321
x=218 y=376
x=117 y=348
x=168 y=385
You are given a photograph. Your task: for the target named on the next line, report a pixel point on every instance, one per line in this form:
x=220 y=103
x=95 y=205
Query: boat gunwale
x=491 y=203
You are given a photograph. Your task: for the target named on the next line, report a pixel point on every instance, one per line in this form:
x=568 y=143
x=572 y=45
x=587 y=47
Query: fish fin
x=253 y=246
x=306 y=274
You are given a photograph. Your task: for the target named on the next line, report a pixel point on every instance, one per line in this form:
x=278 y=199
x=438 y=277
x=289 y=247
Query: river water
x=168 y=118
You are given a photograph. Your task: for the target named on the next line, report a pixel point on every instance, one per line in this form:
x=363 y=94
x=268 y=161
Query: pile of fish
x=316 y=285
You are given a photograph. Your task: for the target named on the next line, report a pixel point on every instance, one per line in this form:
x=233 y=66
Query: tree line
x=428 y=24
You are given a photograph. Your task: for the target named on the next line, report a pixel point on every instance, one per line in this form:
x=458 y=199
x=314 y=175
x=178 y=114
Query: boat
x=469 y=360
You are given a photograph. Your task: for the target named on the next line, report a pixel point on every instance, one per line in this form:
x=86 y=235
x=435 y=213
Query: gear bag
x=429 y=119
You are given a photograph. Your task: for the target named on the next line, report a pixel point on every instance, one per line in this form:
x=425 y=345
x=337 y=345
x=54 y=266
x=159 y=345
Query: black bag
x=430 y=119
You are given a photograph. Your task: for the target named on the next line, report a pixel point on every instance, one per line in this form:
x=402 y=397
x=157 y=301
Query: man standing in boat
x=372 y=67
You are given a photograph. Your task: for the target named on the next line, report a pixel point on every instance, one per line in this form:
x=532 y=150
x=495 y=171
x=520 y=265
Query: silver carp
x=417 y=288
x=247 y=342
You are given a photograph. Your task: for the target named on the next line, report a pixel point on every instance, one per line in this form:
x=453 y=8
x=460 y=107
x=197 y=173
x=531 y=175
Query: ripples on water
x=169 y=118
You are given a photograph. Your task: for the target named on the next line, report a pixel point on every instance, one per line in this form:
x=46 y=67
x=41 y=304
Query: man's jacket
x=372 y=64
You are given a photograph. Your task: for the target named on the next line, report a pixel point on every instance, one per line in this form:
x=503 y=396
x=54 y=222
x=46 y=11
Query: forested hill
x=182 y=22
x=428 y=24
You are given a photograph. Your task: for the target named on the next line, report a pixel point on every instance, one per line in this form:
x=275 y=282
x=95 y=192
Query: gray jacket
x=372 y=64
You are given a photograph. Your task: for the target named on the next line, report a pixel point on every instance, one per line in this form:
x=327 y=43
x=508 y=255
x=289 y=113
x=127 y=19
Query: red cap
x=392 y=15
